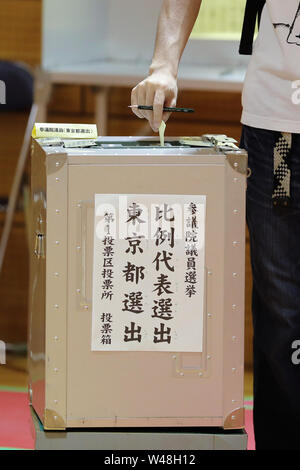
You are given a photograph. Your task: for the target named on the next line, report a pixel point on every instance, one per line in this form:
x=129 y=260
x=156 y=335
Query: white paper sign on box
x=148 y=277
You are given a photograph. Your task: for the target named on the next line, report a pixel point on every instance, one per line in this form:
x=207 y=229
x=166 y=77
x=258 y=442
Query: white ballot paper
x=161 y=131
x=148 y=272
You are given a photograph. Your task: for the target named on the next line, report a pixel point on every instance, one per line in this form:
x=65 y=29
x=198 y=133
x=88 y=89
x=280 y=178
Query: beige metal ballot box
x=137 y=283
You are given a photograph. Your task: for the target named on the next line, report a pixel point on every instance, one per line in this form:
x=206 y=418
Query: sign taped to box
x=148 y=275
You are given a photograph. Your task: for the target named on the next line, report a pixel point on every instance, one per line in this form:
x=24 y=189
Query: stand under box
x=141 y=439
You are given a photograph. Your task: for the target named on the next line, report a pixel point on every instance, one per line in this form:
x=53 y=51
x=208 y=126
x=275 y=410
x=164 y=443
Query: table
x=102 y=75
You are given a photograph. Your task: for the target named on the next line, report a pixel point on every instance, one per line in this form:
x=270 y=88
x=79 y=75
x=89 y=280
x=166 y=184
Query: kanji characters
x=132 y=333
x=133 y=273
x=163 y=258
x=133 y=302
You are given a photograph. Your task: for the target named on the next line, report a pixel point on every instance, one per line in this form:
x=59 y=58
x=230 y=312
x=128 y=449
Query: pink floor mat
x=15 y=421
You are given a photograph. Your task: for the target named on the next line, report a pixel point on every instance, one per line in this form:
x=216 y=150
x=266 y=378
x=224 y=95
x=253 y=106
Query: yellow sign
x=65 y=131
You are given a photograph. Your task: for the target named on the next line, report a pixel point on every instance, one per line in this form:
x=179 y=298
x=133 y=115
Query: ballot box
x=137 y=283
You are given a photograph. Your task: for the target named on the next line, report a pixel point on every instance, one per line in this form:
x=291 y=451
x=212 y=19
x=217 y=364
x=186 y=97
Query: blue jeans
x=275 y=258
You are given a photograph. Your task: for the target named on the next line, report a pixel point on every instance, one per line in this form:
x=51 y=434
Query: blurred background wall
x=20 y=40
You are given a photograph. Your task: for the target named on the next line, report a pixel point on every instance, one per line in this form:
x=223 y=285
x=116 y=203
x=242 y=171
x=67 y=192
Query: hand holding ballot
x=157 y=90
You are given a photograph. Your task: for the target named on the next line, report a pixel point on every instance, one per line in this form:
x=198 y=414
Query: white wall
x=86 y=30
x=132 y=27
x=131 y=36
x=74 y=30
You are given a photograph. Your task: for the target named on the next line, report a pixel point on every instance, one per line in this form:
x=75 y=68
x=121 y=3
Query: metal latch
x=39 y=246
x=221 y=141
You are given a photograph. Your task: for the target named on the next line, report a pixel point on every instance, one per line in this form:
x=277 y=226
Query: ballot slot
x=142 y=144
x=72 y=144
x=210 y=143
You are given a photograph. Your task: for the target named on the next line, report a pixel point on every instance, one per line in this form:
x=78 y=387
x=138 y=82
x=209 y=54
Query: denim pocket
x=259 y=144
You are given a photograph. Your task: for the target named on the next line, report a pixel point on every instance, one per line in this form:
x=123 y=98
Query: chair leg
x=16 y=183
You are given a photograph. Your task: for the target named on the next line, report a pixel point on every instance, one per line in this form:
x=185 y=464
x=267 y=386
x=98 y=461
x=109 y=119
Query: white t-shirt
x=271 y=95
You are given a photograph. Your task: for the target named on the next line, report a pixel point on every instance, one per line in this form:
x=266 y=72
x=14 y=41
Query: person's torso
x=274 y=69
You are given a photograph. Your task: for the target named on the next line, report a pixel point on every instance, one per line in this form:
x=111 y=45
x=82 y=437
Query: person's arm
x=176 y=21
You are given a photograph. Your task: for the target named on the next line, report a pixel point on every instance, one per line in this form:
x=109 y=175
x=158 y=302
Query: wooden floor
x=14 y=374
x=248 y=383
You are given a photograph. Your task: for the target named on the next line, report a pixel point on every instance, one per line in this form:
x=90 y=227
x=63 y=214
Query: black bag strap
x=253 y=11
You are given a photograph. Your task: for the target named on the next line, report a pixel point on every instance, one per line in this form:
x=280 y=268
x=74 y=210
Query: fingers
x=134 y=102
x=149 y=102
x=142 y=99
x=157 y=91
x=170 y=102
x=158 y=104
x=143 y=94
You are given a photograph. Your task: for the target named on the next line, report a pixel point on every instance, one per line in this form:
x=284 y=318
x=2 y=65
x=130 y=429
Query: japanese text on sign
x=148 y=278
